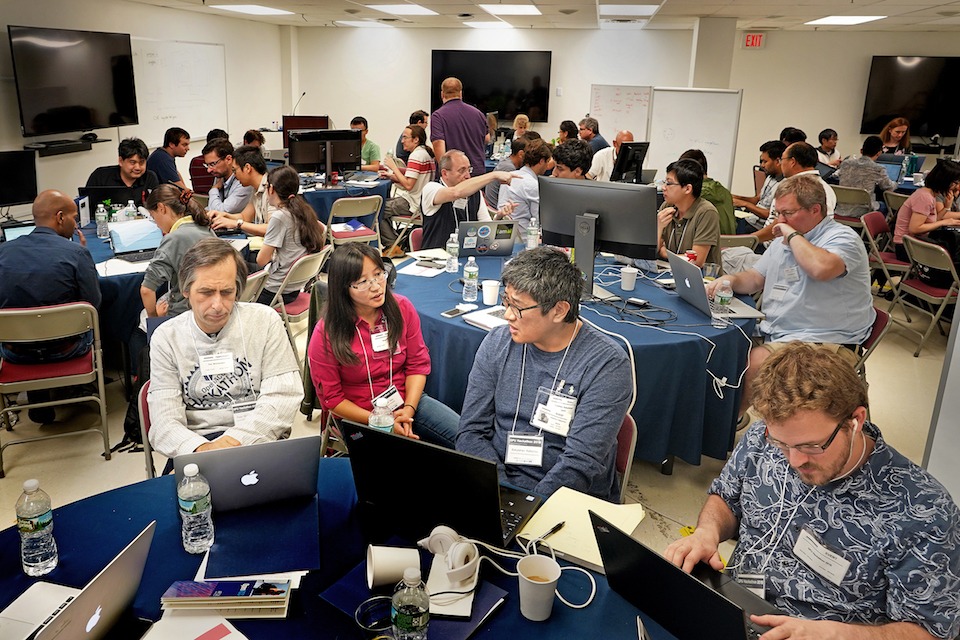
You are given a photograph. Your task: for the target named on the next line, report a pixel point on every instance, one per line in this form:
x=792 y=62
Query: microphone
x=298 y=103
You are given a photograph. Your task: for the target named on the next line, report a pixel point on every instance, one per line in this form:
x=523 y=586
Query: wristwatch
x=239 y=224
x=789 y=237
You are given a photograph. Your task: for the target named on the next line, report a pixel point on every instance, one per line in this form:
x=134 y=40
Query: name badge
x=216 y=364
x=792 y=274
x=777 y=292
x=553 y=411
x=243 y=412
x=394 y=400
x=819 y=557
x=526 y=449
x=460 y=203
x=754 y=582
x=380 y=341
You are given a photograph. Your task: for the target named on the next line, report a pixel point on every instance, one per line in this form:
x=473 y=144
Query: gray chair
x=913 y=291
x=748 y=241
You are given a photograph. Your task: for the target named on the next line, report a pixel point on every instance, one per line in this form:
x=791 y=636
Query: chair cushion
x=890 y=258
x=346 y=235
x=298 y=306
x=927 y=289
x=11 y=373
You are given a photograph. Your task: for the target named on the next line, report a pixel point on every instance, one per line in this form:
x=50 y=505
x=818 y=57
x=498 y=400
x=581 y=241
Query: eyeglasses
x=517 y=310
x=406 y=137
x=364 y=285
x=210 y=165
x=466 y=170
x=789 y=213
x=806 y=449
x=668 y=183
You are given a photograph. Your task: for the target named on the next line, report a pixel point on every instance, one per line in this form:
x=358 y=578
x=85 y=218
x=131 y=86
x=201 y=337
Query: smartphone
x=453 y=313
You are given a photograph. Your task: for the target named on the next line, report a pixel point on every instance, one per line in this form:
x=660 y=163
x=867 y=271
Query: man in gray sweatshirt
x=547 y=394
x=225 y=374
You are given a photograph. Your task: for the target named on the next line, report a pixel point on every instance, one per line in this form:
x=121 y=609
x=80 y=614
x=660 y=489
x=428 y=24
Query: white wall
x=252 y=58
x=396 y=76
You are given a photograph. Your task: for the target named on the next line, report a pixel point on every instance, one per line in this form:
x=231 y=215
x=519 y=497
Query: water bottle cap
x=381 y=402
x=191 y=470
x=411 y=576
x=31 y=485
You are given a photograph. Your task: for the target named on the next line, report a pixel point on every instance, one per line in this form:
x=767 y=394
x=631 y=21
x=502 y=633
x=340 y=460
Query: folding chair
x=894 y=201
x=881 y=323
x=145 y=429
x=301 y=271
x=346 y=208
x=759 y=177
x=748 y=241
x=857 y=202
x=52 y=323
x=926 y=254
x=254 y=287
x=877 y=232
x=626 y=446
x=406 y=225
x=416 y=239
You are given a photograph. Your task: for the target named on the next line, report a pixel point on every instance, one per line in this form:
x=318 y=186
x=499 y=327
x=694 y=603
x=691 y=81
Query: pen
x=641 y=630
x=553 y=530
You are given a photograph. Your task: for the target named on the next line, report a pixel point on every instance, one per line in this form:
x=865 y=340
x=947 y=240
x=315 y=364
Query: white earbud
x=856 y=425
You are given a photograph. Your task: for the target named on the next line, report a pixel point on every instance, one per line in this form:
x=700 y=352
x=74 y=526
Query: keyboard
x=143 y=256
x=53 y=615
x=510 y=521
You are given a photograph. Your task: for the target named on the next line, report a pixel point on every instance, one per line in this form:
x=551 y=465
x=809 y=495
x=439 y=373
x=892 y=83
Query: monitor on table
x=325 y=150
x=598 y=216
x=19 y=171
x=629 y=162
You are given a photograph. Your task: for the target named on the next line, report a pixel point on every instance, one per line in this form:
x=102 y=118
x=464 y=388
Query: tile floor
x=903 y=391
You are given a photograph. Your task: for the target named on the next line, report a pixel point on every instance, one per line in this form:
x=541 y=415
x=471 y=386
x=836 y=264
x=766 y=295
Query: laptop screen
x=12 y=233
x=136 y=235
x=893 y=170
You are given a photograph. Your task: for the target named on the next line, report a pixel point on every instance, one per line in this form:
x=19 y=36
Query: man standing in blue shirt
x=176 y=144
x=45 y=268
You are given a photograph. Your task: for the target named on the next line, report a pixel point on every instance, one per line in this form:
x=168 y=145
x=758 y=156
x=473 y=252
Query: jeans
x=435 y=422
x=49 y=351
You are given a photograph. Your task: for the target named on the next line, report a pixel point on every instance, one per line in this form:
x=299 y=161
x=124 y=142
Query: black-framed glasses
x=517 y=310
x=806 y=449
x=211 y=165
x=364 y=285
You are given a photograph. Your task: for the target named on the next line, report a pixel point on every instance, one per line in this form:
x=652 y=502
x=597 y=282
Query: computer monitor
x=629 y=162
x=19 y=171
x=598 y=216
x=325 y=151
x=294 y=123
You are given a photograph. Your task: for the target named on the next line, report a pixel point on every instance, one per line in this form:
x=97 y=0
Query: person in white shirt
x=411 y=180
x=827 y=151
x=605 y=159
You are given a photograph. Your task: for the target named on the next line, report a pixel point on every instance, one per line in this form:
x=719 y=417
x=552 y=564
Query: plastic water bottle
x=103 y=227
x=381 y=418
x=722 y=295
x=410 y=609
x=130 y=211
x=38 y=549
x=193 y=494
x=453 y=248
x=507 y=151
x=905 y=167
x=471 y=278
x=533 y=233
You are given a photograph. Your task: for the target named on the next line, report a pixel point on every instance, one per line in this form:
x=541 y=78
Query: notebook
x=486 y=238
x=689 y=282
x=669 y=595
x=464 y=491
x=257 y=473
x=486 y=319
x=46 y=611
x=136 y=240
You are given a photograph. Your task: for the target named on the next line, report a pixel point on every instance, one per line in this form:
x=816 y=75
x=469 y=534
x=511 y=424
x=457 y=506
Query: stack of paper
x=230 y=599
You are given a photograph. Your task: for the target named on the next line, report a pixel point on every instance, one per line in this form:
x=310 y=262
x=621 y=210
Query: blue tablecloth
x=91 y=532
x=120 y=309
x=322 y=199
x=677 y=411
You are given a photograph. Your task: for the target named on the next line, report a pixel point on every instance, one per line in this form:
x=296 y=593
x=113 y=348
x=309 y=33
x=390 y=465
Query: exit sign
x=754 y=40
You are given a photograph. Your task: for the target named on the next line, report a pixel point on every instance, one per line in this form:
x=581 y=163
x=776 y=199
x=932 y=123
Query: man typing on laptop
x=223 y=375
x=835 y=527
x=547 y=394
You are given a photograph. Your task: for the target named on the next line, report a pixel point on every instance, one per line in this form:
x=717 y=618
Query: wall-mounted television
x=506 y=82
x=924 y=90
x=72 y=80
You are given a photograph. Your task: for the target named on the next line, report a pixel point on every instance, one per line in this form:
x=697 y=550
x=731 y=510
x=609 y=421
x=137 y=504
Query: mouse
x=89 y=137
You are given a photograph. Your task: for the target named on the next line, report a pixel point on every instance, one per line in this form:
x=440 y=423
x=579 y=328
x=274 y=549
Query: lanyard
x=523 y=366
x=366 y=360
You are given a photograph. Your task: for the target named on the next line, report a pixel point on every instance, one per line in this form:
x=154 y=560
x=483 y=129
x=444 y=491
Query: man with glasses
x=130 y=171
x=589 y=130
x=687 y=222
x=836 y=528
x=250 y=169
x=814 y=277
x=226 y=195
x=547 y=393
x=455 y=198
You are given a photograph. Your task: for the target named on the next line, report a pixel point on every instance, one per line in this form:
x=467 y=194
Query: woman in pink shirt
x=928 y=208
x=368 y=345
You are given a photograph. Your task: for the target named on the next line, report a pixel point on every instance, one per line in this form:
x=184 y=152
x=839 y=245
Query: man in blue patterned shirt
x=835 y=527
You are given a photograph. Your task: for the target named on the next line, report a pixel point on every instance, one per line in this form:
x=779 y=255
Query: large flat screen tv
x=72 y=80
x=924 y=90
x=508 y=82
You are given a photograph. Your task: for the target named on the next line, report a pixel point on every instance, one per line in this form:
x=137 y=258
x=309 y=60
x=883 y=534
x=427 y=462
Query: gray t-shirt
x=283 y=236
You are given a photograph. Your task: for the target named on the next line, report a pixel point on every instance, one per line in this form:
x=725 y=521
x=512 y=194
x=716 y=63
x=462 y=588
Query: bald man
x=46 y=268
x=457 y=125
x=605 y=159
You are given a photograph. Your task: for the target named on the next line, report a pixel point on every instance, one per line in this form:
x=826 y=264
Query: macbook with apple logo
x=47 y=611
x=255 y=474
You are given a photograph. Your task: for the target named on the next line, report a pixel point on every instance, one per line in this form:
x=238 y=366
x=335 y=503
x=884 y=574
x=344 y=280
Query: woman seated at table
x=411 y=179
x=928 y=208
x=293 y=231
x=521 y=124
x=368 y=345
x=896 y=136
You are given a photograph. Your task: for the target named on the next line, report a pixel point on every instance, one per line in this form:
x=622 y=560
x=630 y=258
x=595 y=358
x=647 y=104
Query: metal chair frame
x=933 y=256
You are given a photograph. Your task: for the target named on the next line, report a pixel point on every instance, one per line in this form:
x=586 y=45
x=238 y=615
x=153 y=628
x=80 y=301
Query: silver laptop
x=136 y=240
x=254 y=474
x=486 y=319
x=689 y=282
x=486 y=238
x=46 y=611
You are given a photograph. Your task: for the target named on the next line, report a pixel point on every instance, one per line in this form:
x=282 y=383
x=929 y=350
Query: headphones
x=462 y=556
x=856 y=426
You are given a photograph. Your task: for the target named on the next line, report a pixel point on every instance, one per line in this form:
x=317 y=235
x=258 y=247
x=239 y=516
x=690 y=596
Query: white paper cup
x=628 y=278
x=385 y=565
x=538 y=583
x=918 y=178
x=491 y=292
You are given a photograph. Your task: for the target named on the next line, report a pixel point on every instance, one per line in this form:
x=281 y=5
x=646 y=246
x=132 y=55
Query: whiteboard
x=179 y=84
x=620 y=107
x=943 y=442
x=705 y=119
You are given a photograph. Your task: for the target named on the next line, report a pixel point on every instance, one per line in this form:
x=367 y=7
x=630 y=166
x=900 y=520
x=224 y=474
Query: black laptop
x=407 y=487
x=669 y=595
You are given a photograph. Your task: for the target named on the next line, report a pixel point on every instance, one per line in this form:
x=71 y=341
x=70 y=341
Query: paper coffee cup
x=491 y=292
x=538 y=583
x=628 y=278
x=385 y=565
x=918 y=178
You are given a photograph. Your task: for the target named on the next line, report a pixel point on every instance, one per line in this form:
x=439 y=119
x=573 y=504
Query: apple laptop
x=136 y=240
x=46 y=611
x=894 y=170
x=486 y=319
x=254 y=474
x=464 y=491
x=486 y=238
x=654 y=585
x=689 y=282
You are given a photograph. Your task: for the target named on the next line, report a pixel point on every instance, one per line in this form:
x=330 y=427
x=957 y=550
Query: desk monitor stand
x=583 y=244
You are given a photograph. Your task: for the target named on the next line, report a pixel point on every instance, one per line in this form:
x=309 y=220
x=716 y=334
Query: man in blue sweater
x=547 y=394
